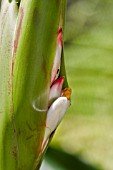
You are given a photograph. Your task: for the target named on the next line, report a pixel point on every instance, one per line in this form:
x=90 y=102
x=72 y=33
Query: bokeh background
x=84 y=139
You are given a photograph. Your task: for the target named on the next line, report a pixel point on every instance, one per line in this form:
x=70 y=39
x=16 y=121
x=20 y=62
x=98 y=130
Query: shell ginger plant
x=34 y=93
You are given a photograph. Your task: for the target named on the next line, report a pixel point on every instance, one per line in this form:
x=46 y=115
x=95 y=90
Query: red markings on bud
x=57 y=59
x=56 y=90
x=58 y=81
x=59 y=37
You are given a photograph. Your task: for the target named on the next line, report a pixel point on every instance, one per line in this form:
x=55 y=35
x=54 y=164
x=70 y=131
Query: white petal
x=54 y=116
x=56 y=112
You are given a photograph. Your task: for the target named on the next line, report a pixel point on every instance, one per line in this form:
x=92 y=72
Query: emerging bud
x=59 y=100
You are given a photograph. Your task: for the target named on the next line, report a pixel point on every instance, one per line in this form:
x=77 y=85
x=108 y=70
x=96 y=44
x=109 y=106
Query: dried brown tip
x=67 y=93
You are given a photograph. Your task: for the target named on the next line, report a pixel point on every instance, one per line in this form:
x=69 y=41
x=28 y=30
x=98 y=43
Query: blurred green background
x=84 y=139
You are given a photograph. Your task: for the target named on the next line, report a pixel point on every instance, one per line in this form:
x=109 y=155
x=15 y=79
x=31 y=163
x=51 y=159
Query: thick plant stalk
x=34 y=93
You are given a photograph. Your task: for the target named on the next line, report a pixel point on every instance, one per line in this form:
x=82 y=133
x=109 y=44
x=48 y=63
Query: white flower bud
x=54 y=116
x=56 y=112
